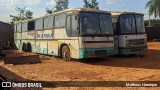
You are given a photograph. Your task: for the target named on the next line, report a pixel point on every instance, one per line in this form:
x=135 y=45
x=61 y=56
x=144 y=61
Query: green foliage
x=91 y=4
x=23 y=14
x=153 y=8
x=153 y=23
x=60 y=5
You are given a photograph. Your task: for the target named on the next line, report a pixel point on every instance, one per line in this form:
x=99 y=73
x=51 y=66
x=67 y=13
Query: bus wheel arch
x=65 y=52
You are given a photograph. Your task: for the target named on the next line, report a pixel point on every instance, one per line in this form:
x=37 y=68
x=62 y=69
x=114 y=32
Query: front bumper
x=133 y=50
x=98 y=52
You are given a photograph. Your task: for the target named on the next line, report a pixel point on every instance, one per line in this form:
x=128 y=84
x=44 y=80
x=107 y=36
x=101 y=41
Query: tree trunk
x=149 y=21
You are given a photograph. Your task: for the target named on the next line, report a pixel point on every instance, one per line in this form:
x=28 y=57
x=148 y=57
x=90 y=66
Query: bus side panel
x=72 y=42
x=43 y=47
x=53 y=48
x=28 y=35
x=38 y=49
x=33 y=45
x=73 y=46
x=38 y=42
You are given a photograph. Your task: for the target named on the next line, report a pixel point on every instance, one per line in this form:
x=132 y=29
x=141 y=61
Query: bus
x=129 y=33
x=73 y=33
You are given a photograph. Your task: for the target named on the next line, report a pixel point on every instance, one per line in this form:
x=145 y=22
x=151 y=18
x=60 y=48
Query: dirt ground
x=115 y=68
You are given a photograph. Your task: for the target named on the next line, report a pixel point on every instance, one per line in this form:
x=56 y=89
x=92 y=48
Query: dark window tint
x=127 y=23
x=89 y=24
x=114 y=23
x=105 y=24
x=31 y=25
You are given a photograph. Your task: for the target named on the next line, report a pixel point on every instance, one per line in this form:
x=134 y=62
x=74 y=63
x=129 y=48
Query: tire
x=29 y=47
x=24 y=47
x=66 y=53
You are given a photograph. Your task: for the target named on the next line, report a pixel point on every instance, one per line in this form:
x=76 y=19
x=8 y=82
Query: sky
x=38 y=7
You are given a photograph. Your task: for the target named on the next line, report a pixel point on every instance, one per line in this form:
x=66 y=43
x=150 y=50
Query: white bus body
x=73 y=33
x=129 y=33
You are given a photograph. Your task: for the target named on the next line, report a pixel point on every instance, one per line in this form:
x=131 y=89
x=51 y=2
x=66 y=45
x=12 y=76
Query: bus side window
x=50 y=21
x=24 y=26
x=74 y=26
x=68 y=26
x=31 y=25
x=19 y=27
x=39 y=24
x=56 y=21
x=46 y=23
x=60 y=20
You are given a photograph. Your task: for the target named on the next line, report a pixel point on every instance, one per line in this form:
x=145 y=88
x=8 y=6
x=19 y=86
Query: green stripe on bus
x=84 y=53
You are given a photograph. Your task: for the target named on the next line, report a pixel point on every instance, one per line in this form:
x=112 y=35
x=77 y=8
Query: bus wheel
x=29 y=47
x=24 y=47
x=66 y=53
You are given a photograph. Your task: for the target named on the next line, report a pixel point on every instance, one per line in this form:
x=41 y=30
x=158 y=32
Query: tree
x=91 y=4
x=153 y=8
x=153 y=23
x=60 y=5
x=23 y=14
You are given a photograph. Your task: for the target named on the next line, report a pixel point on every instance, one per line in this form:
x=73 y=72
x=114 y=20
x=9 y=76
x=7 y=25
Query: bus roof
x=68 y=10
x=122 y=13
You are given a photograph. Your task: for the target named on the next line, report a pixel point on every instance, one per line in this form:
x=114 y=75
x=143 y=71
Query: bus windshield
x=140 y=24
x=95 y=24
x=127 y=23
x=130 y=24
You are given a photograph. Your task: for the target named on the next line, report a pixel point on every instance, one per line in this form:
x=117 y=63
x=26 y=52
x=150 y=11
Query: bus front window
x=140 y=23
x=127 y=23
x=95 y=24
x=106 y=24
x=89 y=24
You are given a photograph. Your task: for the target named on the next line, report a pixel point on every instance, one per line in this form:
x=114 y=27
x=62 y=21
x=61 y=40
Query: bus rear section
x=96 y=35
x=129 y=33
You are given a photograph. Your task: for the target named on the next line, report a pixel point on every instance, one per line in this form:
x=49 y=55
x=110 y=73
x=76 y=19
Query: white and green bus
x=129 y=33
x=73 y=33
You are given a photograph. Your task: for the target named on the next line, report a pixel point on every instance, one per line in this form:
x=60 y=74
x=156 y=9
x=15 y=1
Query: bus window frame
x=59 y=26
x=77 y=24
